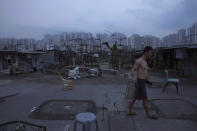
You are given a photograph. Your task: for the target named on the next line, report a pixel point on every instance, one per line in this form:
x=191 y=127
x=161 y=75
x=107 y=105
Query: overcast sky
x=34 y=18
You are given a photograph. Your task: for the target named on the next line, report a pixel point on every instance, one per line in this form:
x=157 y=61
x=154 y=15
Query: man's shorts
x=140 y=93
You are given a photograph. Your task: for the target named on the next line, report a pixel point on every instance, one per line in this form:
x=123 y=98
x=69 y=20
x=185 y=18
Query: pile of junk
x=82 y=72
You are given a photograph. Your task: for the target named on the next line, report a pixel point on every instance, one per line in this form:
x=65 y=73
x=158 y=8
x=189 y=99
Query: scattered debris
x=77 y=72
x=94 y=72
x=74 y=74
x=83 y=72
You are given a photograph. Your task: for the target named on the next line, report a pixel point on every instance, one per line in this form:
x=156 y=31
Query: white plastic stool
x=85 y=119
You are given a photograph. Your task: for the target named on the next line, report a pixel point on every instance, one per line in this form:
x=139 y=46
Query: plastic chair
x=85 y=118
x=173 y=81
x=66 y=84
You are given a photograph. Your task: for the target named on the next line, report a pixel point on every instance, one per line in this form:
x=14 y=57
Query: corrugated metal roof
x=178 y=47
x=185 y=46
x=32 y=52
x=8 y=52
x=22 y=52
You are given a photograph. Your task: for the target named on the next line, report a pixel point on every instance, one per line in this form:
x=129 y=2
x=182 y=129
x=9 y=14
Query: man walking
x=139 y=73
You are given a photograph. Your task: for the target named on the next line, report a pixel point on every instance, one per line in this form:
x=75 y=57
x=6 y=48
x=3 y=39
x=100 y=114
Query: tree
x=115 y=54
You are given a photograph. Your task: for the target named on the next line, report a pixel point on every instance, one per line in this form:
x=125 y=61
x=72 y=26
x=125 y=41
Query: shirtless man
x=139 y=73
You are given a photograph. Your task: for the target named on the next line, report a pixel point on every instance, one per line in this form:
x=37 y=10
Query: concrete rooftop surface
x=104 y=96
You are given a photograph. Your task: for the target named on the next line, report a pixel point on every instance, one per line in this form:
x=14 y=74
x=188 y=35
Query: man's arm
x=135 y=67
x=134 y=71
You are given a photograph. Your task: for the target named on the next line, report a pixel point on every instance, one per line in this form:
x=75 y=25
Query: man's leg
x=131 y=107
x=147 y=111
x=146 y=108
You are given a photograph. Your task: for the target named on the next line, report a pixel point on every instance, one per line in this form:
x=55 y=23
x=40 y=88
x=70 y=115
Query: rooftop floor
x=176 y=111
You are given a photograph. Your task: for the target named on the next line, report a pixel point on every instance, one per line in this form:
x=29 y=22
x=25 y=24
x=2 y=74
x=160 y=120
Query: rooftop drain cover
x=62 y=109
